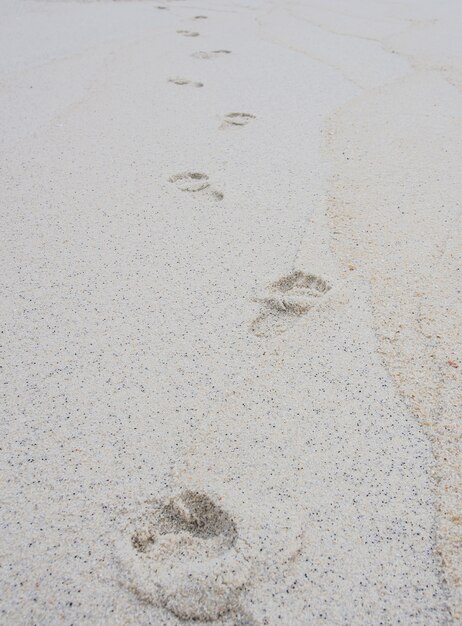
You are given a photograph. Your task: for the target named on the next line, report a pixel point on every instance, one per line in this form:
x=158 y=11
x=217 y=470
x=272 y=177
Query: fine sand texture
x=231 y=313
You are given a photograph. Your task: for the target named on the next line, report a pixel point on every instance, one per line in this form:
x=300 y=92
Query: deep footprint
x=194 y=182
x=187 y=33
x=286 y=299
x=210 y=55
x=238 y=119
x=185 y=555
x=185 y=81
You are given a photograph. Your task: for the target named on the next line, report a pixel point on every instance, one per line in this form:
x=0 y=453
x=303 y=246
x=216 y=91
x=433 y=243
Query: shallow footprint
x=185 y=81
x=190 y=181
x=185 y=555
x=187 y=33
x=237 y=119
x=194 y=182
x=200 y=17
x=287 y=299
x=210 y=55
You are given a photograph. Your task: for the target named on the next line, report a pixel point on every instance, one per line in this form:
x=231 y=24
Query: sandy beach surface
x=231 y=312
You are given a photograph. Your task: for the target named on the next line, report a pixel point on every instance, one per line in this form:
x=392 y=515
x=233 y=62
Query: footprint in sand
x=185 y=81
x=187 y=33
x=194 y=182
x=200 y=17
x=210 y=55
x=287 y=299
x=185 y=554
x=237 y=119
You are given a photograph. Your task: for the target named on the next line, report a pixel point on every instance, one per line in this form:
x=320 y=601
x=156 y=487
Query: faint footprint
x=287 y=299
x=187 y=33
x=200 y=17
x=194 y=182
x=185 y=555
x=185 y=81
x=237 y=119
x=190 y=181
x=210 y=55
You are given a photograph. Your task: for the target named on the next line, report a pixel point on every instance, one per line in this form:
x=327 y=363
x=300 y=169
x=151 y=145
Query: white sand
x=231 y=312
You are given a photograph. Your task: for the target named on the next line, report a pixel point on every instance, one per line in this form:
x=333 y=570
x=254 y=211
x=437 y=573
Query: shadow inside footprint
x=237 y=119
x=192 y=513
x=185 y=555
x=286 y=299
x=187 y=33
x=185 y=81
